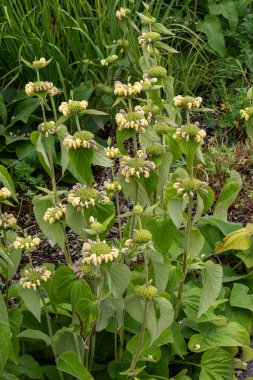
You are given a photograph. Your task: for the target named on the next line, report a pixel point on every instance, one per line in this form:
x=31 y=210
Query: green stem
x=143 y=327
x=78 y=123
x=50 y=330
x=54 y=108
x=188 y=230
x=51 y=163
x=135 y=144
x=133 y=216
x=188 y=117
x=67 y=250
x=117 y=208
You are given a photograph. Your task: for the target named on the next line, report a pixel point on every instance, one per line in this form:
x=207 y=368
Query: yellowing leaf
x=238 y=240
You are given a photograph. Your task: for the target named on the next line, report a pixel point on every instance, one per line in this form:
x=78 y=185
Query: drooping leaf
x=237 y=240
x=31 y=300
x=211 y=27
x=55 y=231
x=216 y=364
x=231 y=335
x=228 y=194
x=211 y=280
x=240 y=297
x=118 y=277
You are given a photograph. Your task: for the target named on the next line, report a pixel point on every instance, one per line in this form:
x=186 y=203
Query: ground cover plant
x=169 y=296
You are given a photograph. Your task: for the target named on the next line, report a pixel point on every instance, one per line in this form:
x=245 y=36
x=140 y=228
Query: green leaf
x=76 y=221
x=5 y=339
x=216 y=364
x=88 y=313
x=28 y=366
x=100 y=159
x=197 y=242
x=62 y=133
x=226 y=8
x=232 y=335
x=211 y=280
x=3 y=110
x=163 y=232
x=55 y=231
x=35 y=334
x=118 y=277
x=31 y=300
x=15 y=320
x=80 y=165
x=211 y=27
x=62 y=282
x=5 y=178
x=227 y=196
x=240 y=298
x=80 y=289
x=123 y=135
x=36 y=139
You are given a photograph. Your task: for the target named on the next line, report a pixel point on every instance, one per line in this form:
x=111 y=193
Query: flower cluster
x=147 y=292
x=96 y=226
x=4 y=193
x=7 y=220
x=110 y=59
x=112 y=187
x=33 y=277
x=106 y=89
x=122 y=13
x=48 y=128
x=39 y=88
x=83 y=139
x=83 y=270
x=147 y=83
x=27 y=243
x=247 y=113
x=132 y=120
x=85 y=196
x=123 y=43
x=129 y=89
x=40 y=63
x=112 y=152
x=137 y=209
x=157 y=72
x=187 y=102
x=149 y=110
x=161 y=128
x=72 y=106
x=96 y=252
x=135 y=167
x=148 y=40
x=53 y=214
x=155 y=150
x=190 y=132
x=188 y=186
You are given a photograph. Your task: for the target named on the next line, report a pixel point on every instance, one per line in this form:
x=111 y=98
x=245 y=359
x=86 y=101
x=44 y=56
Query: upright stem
x=51 y=163
x=117 y=208
x=188 y=230
x=144 y=322
x=78 y=123
x=133 y=216
x=54 y=108
x=188 y=116
x=50 y=330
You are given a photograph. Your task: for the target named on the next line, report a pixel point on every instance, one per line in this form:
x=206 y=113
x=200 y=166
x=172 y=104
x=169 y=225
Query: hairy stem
x=117 y=208
x=133 y=216
x=143 y=327
x=78 y=123
x=53 y=179
x=50 y=330
x=188 y=230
